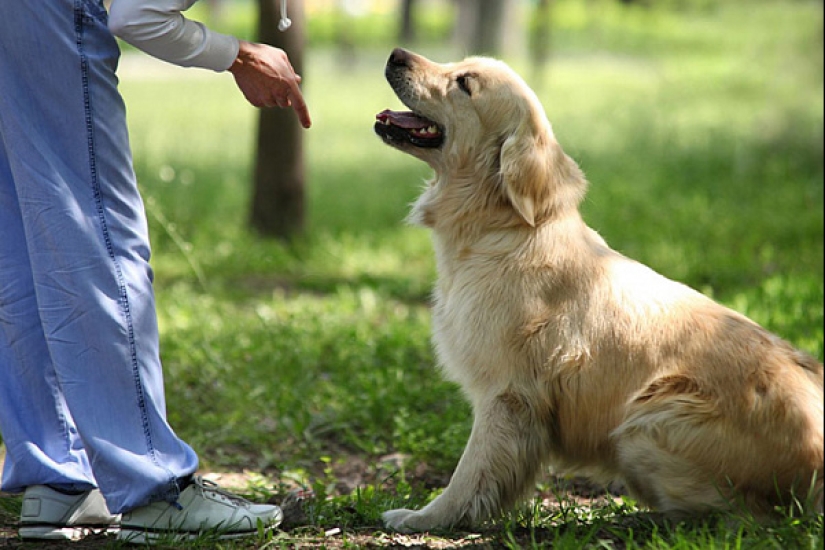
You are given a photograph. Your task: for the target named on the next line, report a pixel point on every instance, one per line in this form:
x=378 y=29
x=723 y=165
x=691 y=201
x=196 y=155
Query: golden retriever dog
x=572 y=355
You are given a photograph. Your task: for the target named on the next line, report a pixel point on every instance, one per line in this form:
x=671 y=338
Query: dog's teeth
x=429 y=131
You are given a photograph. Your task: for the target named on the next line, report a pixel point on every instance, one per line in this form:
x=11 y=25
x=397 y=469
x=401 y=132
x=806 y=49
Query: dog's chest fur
x=470 y=314
x=494 y=324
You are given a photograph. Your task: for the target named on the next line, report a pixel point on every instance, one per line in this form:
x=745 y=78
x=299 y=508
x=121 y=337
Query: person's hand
x=267 y=79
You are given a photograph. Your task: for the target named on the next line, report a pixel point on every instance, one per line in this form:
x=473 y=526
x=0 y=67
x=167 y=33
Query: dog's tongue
x=403 y=119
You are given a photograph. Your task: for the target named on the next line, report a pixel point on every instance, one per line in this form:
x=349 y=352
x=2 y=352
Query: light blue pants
x=81 y=389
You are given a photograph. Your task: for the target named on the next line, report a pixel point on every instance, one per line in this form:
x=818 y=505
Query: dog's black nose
x=399 y=57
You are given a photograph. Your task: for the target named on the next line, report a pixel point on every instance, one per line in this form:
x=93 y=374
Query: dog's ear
x=525 y=164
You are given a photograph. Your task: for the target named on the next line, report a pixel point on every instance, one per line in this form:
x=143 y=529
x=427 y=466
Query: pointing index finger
x=300 y=106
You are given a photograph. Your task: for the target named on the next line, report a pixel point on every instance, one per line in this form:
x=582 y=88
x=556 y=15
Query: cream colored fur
x=572 y=355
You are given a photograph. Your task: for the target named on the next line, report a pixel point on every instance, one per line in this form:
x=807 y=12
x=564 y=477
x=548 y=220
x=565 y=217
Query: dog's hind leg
x=502 y=458
x=664 y=426
x=682 y=451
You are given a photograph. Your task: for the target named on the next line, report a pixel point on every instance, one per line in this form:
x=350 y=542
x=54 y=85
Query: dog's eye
x=463 y=83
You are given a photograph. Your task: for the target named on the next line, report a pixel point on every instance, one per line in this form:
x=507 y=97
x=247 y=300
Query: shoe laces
x=205 y=485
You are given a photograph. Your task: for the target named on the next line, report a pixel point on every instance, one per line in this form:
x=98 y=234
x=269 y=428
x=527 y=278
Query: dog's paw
x=405 y=521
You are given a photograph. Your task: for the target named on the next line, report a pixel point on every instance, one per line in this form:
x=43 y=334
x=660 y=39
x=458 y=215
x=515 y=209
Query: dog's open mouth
x=406 y=126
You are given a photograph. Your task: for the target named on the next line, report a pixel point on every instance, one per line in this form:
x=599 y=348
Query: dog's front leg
x=501 y=459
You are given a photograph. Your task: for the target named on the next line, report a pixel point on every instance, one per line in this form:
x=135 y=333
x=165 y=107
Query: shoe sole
x=74 y=533
x=142 y=536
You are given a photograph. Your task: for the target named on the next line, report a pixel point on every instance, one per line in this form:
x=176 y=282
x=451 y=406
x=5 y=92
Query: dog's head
x=484 y=132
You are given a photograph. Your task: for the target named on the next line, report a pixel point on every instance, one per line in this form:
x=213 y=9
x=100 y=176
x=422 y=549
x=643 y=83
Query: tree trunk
x=489 y=27
x=407 y=31
x=489 y=31
x=540 y=46
x=277 y=208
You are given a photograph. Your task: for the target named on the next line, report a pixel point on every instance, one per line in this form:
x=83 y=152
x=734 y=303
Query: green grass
x=701 y=131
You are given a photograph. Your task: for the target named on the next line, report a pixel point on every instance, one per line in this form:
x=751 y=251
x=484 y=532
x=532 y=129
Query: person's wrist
x=242 y=57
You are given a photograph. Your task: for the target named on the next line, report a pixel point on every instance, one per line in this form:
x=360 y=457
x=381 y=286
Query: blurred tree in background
x=406 y=31
x=488 y=27
x=277 y=208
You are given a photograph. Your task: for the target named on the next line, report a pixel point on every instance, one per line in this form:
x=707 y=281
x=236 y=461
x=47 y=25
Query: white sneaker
x=48 y=514
x=203 y=508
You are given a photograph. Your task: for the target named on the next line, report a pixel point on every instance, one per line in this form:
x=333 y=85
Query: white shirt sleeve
x=159 y=28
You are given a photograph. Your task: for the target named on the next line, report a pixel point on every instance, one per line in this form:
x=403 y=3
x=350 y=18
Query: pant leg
x=63 y=127
x=41 y=438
